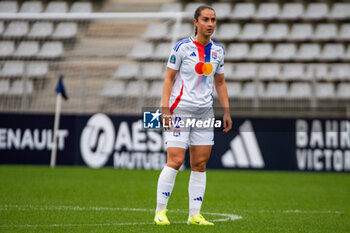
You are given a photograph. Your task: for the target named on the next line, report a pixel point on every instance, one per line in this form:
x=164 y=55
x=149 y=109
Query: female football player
x=195 y=66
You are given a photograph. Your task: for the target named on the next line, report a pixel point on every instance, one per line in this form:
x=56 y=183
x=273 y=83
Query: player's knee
x=175 y=163
x=199 y=166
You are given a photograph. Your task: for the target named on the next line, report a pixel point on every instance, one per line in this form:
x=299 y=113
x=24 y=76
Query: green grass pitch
x=79 y=199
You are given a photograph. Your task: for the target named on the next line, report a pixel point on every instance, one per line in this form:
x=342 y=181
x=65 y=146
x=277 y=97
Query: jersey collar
x=192 y=39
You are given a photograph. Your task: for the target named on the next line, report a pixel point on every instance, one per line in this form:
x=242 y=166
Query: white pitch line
x=295 y=211
x=78 y=208
x=227 y=217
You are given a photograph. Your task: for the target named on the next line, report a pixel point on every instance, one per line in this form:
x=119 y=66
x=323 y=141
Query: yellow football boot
x=199 y=220
x=161 y=218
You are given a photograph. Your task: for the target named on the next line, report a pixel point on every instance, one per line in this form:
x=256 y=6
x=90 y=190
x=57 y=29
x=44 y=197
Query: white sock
x=196 y=189
x=165 y=186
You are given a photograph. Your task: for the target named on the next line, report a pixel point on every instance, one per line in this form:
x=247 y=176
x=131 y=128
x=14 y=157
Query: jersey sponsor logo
x=245 y=151
x=204 y=68
x=193 y=54
x=214 y=55
x=173 y=59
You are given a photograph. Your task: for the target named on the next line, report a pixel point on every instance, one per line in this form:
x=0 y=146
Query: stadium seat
x=57 y=7
x=81 y=7
x=7 y=48
x=51 y=50
x=31 y=7
x=237 y=51
x=325 y=90
x=27 y=49
x=152 y=70
x=343 y=91
x=340 y=11
x=267 y=11
x=293 y=71
x=162 y=51
x=325 y=31
x=156 y=31
x=18 y=88
x=155 y=90
x=41 y=30
x=268 y=71
x=332 y=52
x=316 y=11
x=276 y=90
x=222 y=9
x=136 y=89
x=243 y=11
x=251 y=89
x=65 y=30
x=301 y=31
x=318 y=71
x=8 y=7
x=37 y=69
x=308 y=52
x=252 y=31
x=284 y=51
x=245 y=71
x=340 y=72
x=344 y=32
x=16 y=29
x=291 y=11
x=229 y=71
x=233 y=89
x=1 y=27
x=276 y=31
x=4 y=86
x=299 y=90
x=185 y=31
x=127 y=71
x=113 y=89
x=191 y=7
x=347 y=54
x=12 y=69
x=171 y=7
x=261 y=51
x=141 y=51
x=227 y=32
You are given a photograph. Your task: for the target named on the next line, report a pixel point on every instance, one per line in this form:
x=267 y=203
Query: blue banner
x=122 y=142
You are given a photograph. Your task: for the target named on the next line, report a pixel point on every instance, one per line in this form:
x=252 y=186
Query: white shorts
x=184 y=136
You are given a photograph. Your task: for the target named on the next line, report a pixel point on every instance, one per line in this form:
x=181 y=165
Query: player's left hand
x=227 y=122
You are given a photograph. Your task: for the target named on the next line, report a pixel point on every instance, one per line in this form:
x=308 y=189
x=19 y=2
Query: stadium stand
x=280 y=50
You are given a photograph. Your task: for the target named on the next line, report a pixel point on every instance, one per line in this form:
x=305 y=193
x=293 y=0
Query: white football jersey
x=196 y=65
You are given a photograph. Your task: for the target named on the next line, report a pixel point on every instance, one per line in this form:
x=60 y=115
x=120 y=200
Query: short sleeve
x=175 y=59
x=220 y=69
